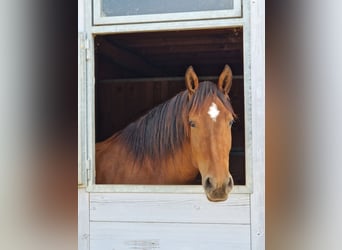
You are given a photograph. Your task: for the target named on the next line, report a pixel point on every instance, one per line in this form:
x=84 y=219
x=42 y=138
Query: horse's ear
x=191 y=80
x=225 y=80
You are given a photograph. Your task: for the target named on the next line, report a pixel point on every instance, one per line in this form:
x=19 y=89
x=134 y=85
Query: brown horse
x=172 y=143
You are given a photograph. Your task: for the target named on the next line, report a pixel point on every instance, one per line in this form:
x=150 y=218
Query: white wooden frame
x=89 y=160
x=257 y=14
x=99 y=19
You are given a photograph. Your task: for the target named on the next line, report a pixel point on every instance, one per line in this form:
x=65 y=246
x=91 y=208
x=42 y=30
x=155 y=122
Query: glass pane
x=142 y=7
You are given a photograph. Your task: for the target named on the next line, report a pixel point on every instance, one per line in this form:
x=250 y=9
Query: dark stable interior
x=134 y=72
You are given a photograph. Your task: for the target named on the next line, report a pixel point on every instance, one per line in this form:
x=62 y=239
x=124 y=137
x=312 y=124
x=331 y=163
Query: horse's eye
x=192 y=124
x=231 y=123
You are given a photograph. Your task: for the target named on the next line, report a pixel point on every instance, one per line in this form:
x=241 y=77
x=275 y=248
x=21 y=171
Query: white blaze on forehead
x=213 y=111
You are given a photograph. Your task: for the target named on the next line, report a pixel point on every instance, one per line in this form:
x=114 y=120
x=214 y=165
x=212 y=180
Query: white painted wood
x=258 y=123
x=248 y=134
x=83 y=219
x=82 y=76
x=82 y=110
x=81 y=103
x=81 y=25
x=183 y=25
x=248 y=96
x=90 y=95
x=168 y=208
x=113 y=236
x=184 y=189
x=168 y=26
x=99 y=19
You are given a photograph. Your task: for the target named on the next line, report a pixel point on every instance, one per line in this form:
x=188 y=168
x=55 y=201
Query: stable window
x=150 y=66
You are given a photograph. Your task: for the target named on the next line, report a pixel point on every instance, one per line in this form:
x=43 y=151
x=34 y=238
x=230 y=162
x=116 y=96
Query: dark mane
x=164 y=129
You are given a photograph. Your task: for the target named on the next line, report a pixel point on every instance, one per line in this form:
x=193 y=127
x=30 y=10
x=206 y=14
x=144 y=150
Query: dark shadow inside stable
x=134 y=72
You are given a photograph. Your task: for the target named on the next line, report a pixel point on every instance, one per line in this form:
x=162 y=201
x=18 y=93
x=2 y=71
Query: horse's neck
x=179 y=169
x=115 y=165
x=176 y=169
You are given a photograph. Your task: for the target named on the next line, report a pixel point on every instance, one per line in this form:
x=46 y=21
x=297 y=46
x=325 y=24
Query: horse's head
x=210 y=119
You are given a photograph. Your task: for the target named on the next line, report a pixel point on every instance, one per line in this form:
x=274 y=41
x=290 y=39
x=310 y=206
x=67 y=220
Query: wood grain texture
x=113 y=236
x=257 y=15
x=168 y=208
x=83 y=219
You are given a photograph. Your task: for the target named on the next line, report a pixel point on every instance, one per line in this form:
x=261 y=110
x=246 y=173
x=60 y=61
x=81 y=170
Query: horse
x=189 y=134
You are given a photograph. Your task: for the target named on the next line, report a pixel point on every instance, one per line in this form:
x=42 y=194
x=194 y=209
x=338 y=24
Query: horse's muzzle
x=218 y=191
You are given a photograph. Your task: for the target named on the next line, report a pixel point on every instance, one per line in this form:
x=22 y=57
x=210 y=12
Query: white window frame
x=87 y=95
x=99 y=19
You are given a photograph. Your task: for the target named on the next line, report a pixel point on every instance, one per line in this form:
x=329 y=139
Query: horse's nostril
x=208 y=183
x=230 y=182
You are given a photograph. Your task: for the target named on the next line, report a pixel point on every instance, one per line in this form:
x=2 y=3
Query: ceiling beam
x=125 y=58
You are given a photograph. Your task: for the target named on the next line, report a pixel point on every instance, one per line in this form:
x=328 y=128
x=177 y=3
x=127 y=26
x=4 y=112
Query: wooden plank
x=238 y=79
x=191 y=48
x=81 y=107
x=109 y=236
x=169 y=26
x=158 y=207
x=124 y=57
x=178 y=38
x=83 y=219
x=257 y=16
x=89 y=142
x=175 y=189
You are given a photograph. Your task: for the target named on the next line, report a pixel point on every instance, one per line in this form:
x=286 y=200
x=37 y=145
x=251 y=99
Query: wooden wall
x=168 y=53
x=120 y=102
x=168 y=221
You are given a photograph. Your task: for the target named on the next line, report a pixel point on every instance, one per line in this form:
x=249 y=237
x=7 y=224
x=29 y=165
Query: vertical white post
x=83 y=220
x=83 y=196
x=257 y=12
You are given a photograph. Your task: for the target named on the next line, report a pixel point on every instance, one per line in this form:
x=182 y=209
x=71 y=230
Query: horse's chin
x=214 y=198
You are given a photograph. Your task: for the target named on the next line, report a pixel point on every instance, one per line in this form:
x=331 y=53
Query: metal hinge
x=88 y=165
x=87 y=48
x=84 y=44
